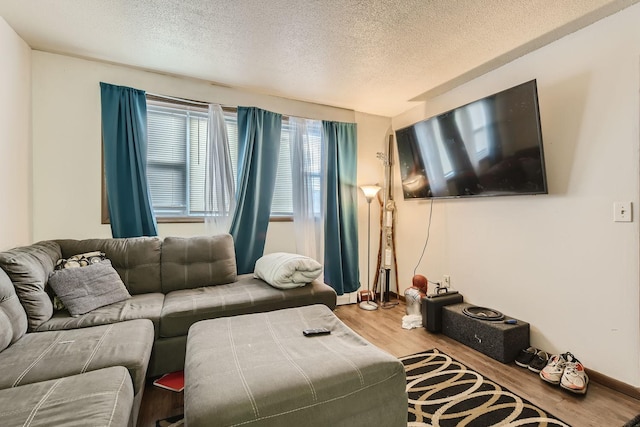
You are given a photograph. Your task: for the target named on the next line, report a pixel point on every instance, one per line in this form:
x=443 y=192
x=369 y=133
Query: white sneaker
x=552 y=373
x=574 y=378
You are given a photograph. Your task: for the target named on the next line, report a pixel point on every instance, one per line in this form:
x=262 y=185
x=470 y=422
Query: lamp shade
x=370 y=191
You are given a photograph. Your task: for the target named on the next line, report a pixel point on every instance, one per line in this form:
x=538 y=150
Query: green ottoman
x=260 y=370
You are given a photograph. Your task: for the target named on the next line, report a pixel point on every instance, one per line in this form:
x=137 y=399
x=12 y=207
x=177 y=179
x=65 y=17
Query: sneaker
x=525 y=356
x=552 y=372
x=539 y=361
x=574 y=378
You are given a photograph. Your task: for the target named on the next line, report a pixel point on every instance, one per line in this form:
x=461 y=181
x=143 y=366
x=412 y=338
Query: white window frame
x=189 y=215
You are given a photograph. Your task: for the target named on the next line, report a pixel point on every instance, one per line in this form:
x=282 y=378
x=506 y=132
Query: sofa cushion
x=42 y=356
x=29 y=268
x=105 y=397
x=136 y=259
x=144 y=306
x=193 y=262
x=247 y=295
x=86 y=288
x=13 y=319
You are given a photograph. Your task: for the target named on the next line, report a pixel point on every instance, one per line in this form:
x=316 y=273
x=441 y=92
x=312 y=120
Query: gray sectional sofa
x=51 y=361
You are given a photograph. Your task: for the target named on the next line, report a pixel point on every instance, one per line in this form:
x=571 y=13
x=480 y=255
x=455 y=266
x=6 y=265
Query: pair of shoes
x=574 y=378
x=539 y=361
x=525 y=356
x=532 y=359
x=566 y=370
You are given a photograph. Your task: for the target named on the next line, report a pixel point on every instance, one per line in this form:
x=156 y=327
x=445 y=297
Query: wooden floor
x=600 y=407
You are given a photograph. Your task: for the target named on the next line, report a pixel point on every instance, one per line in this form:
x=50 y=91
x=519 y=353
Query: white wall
x=67 y=145
x=557 y=261
x=373 y=132
x=15 y=139
x=67 y=139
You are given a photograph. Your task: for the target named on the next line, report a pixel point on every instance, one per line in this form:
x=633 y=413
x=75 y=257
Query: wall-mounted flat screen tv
x=490 y=147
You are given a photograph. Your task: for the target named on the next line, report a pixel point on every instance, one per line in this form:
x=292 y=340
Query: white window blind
x=198 y=127
x=167 y=160
x=314 y=168
x=282 y=204
x=176 y=165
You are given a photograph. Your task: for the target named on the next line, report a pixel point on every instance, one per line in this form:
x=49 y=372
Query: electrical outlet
x=446 y=281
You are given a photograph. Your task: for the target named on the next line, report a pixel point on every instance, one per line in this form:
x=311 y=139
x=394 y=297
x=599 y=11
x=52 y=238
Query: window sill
x=201 y=219
x=188 y=220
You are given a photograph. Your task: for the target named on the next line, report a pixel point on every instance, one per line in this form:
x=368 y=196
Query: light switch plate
x=622 y=212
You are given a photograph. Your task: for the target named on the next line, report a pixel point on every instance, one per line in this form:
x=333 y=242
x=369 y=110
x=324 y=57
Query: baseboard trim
x=614 y=384
x=396 y=296
x=345 y=299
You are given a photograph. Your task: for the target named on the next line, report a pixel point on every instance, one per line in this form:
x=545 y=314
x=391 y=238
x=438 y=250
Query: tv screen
x=490 y=147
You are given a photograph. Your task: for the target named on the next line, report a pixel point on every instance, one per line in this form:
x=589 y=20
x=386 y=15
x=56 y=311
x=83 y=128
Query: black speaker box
x=432 y=309
x=496 y=339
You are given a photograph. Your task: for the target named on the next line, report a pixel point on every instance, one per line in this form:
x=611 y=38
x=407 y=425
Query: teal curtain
x=341 y=226
x=258 y=150
x=124 y=141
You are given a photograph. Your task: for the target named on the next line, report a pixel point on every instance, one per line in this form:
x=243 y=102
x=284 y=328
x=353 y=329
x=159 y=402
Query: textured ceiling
x=374 y=56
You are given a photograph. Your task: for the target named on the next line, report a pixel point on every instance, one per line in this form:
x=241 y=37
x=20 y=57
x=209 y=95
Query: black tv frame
x=466 y=181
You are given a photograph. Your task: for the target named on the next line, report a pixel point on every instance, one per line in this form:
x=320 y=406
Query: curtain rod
x=206 y=104
x=190 y=101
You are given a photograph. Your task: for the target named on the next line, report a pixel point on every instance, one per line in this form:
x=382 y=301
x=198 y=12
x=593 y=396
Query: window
x=175 y=159
x=176 y=165
x=313 y=168
x=282 y=204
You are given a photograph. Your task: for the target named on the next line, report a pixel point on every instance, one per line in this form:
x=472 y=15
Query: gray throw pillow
x=28 y=268
x=75 y=261
x=87 y=288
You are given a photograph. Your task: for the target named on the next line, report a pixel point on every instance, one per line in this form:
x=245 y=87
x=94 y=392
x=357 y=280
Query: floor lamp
x=370 y=192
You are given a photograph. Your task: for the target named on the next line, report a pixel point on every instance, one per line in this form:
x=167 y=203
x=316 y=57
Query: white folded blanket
x=411 y=321
x=285 y=271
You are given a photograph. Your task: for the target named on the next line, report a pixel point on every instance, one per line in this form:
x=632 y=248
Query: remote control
x=316 y=331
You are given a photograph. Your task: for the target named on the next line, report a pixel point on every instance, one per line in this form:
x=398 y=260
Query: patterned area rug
x=635 y=422
x=443 y=392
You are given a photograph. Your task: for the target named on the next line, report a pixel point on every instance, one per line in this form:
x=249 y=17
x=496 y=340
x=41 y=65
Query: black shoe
x=539 y=361
x=525 y=356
